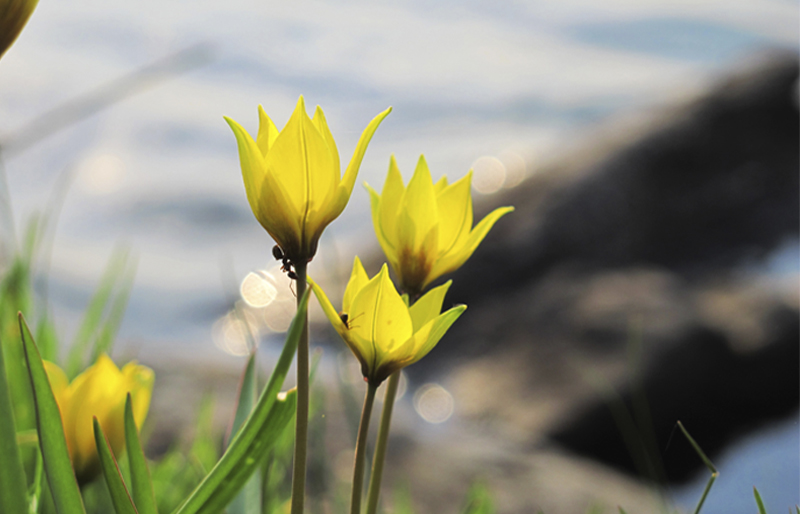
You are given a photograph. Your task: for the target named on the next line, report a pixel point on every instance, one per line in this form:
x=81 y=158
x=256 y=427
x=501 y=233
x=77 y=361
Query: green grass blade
x=141 y=484
x=12 y=475
x=223 y=483
x=256 y=436
x=116 y=486
x=761 y=509
x=248 y=501
x=706 y=461
x=53 y=444
x=94 y=313
x=479 y=500
x=118 y=307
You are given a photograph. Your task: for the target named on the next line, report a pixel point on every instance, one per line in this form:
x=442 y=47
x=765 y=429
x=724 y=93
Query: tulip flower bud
x=14 y=15
x=293 y=179
x=100 y=391
x=426 y=230
x=381 y=330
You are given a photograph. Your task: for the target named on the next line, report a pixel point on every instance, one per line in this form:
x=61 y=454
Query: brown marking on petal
x=414 y=270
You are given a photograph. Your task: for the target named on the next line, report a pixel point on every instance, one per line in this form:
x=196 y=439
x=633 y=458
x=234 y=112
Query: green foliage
x=141 y=483
x=12 y=474
x=706 y=461
x=248 y=501
x=103 y=315
x=53 y=445
x=116 y=486
x=256 y=436
x=761 y=509
x=479 y=500
x=403 y=502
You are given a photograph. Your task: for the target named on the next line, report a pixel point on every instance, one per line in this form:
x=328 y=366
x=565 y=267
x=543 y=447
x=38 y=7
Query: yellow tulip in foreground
x=293 y=179
x=14 y=15
x=425 y=230
x=99 y=392
x=379 y=327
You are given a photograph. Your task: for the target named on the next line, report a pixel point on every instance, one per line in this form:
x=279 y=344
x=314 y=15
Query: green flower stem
x=361 y=449
x=383 y=441
x=301 y=426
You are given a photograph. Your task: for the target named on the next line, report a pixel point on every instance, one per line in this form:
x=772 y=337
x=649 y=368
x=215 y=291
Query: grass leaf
x=94 y=313
x=248 y=501
x=116 y=312
x=256 y=436
x=12 y=475
x=479 y=500
x=141 y=483
x=116 y=486
x=53 y=444
x=761 y=509
x=706 y=461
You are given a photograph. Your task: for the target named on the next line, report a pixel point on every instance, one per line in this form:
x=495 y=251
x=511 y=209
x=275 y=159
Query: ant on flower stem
x=286 y=266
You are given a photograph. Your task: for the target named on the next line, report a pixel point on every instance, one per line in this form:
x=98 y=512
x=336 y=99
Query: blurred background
x=651 y=151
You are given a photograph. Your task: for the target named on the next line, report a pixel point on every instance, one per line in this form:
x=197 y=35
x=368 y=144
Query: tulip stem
x=361 y=449
x=301 y=425
x=382 y=443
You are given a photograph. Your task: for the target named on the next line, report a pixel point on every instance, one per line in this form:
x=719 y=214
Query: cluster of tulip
x=295 y=189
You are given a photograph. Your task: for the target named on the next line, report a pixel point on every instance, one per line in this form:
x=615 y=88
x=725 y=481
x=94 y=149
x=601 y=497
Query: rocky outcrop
x=631 y=291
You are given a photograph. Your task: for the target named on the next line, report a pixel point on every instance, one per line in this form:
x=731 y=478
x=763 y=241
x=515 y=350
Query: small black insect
x=347 y=320
x=286 y=264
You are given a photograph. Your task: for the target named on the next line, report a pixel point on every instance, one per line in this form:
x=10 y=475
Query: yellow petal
x=358 y=279
x=321 y=123
x=380 y=318
x=429 y=306
x=391 y=198
x=349 y=179
x=375 y=203
x=460 y=255
x=139 y=383
x=267 y=132
x=419 y=204
x=253 y=166
x=94 y=393
x=429 y=335
x=455 y=214
x=392 y=324
x=329 y=310
x=301 y=162
x=279 y=216
x=440 y=186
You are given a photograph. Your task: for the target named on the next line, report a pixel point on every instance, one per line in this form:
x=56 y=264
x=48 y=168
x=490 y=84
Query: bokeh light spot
x=256 y=291
x=516 y=169
x=101 y=174
x=434 y=403
x=489 y=174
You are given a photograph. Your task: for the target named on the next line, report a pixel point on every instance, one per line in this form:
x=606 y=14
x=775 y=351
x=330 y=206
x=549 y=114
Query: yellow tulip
x=293 y=178
x=426 y=230
x=383 y=332
x=14 y=15
x=99 y=392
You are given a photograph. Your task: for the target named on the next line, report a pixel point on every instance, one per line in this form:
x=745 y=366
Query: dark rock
x=654 y=246
x=714 y=186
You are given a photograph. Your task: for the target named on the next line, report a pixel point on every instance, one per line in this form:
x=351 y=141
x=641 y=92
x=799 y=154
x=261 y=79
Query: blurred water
x=471 y=83
x=158 y=170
